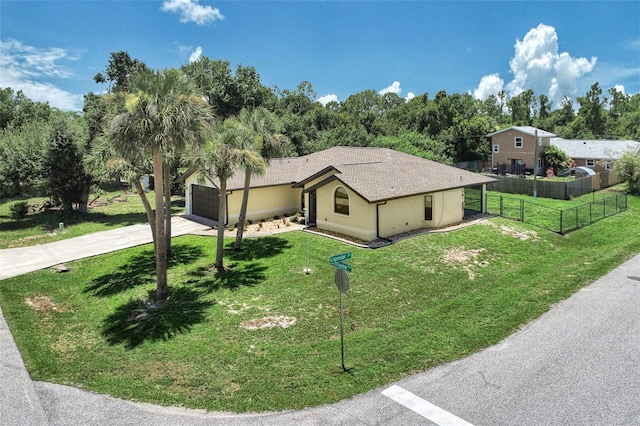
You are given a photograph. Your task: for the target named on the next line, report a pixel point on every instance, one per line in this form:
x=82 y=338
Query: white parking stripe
x=426 y=409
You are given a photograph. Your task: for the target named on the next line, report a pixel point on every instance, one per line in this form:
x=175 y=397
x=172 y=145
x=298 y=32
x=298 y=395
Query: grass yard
x=411 y=306
x=113 y=208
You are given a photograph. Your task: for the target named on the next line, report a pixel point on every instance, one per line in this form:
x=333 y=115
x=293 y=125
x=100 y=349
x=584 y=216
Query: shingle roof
x=595 y=149
x=376 y=174
x=527 y=130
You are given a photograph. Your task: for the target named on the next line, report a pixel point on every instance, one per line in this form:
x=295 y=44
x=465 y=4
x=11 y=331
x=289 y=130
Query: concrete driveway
x=18 y=261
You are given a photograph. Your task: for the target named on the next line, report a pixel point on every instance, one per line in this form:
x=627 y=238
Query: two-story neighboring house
x=513 y=150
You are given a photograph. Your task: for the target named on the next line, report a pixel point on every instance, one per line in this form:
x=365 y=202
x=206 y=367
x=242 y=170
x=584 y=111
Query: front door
x=312 y=208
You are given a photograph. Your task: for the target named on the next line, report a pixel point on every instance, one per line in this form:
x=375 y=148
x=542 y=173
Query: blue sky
x=52 y=49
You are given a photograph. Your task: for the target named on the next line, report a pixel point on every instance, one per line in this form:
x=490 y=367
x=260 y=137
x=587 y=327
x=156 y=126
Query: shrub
x=19 y=210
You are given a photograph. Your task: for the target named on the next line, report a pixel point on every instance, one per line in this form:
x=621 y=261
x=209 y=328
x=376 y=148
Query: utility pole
x=535 y=165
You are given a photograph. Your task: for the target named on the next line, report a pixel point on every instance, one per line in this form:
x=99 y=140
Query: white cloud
x=489 y=85
x=324 y=100
x=538 y=66
x=619 y=88
x=409 y=96
x=192 y=11
x=197 y=54
x=394 y=88
x=24 y=67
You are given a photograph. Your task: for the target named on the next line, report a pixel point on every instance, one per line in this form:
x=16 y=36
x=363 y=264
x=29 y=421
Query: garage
x=204 y=201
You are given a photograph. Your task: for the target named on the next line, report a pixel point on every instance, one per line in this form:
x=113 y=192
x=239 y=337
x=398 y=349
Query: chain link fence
x=554 y=219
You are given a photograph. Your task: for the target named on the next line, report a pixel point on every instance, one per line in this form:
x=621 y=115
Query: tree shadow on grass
x=234 y=276
x=139 y=320
x=140 y=270
x=258 y=248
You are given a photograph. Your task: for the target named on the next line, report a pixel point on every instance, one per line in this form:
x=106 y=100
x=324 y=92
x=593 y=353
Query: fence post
x=521 y=210
x=501 y=207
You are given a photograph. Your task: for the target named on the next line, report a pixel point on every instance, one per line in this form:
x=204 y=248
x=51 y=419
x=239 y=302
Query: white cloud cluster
x=192 y=11
x=537 y=65
x=196 y=54
x=22 y=67
x=394 y=88
x=324 y=100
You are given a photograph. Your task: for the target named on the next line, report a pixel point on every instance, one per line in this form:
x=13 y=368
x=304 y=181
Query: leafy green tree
x=629 y=166
x=592 y=112
x=120 y=71
x=225 y=92
x=64 y=165
x=23 y=151
x=556 y=158
x=161 y=114
x=416 y=144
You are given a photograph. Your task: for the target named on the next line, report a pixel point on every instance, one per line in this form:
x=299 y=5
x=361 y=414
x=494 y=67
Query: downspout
x=226 y=211
x=378 y=222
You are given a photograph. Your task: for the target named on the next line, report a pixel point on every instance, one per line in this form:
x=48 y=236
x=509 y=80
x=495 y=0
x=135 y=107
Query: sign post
x=342 y=282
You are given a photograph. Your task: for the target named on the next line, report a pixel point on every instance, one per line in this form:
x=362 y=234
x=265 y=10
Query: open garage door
x=204 y=201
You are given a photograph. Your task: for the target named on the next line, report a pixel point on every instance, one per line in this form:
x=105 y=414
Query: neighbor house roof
x=377 y=174
x=527 y=130
x=595 y=149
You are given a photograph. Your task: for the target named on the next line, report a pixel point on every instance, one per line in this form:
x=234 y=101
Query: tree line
x=216 y=122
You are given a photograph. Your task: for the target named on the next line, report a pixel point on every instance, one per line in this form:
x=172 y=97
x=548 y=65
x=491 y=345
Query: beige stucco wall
x=407 y=214
x=393 y=217
x=508 y=151
x=361 y=221
x=263 y=203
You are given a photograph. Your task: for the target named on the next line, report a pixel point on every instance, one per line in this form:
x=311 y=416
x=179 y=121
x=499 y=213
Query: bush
x=19 y=210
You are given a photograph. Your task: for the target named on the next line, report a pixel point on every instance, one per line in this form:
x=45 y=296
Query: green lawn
x=111 y=209
x=413 y=305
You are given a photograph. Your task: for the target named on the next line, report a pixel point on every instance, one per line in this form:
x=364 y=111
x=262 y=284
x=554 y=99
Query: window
x=496 y=149
x=591 y=163
x=608 y=165
x=428 y=207
x=518 y=142
x=341 y=201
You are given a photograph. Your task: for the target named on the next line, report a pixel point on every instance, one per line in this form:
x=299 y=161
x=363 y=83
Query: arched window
x=341 y=201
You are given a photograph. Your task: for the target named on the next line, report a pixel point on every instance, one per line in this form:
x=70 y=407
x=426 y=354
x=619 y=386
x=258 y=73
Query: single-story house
x=598 y=155
x=367 y=193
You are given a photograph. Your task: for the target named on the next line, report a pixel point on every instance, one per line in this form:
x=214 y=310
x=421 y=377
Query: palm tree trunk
x=147 y=209
x=162 y=289
x=243 y=211
x=167 y=206
x=222 y=213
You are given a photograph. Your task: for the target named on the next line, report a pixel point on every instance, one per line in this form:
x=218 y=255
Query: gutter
x=378 y=222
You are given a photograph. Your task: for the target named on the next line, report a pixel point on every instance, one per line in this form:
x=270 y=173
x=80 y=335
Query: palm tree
x=161 y=114
x=219 y=159
x=108 y=164
x=261 y=143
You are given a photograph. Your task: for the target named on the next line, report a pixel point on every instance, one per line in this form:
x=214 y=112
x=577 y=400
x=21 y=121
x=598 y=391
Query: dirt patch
x=519 y=233
x=466 y=258
x=42 y=303
x=268 y=322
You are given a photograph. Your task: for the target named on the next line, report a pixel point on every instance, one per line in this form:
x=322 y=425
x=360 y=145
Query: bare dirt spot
x=466 y=258
x=519 y=233
x=268 y=322
x=42 y=303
